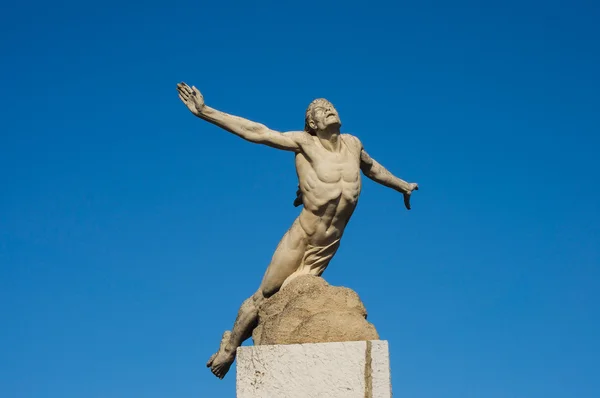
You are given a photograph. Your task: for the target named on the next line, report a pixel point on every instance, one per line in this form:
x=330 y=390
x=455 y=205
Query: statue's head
x=320 y=114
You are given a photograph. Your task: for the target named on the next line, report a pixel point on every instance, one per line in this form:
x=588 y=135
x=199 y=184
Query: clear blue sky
x=130 y=232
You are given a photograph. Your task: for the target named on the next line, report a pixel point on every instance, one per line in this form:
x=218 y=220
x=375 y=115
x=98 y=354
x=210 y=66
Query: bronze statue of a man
x=328 y=165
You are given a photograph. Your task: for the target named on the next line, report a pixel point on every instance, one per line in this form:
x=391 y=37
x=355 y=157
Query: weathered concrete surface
x=357 y=369
x=308 y=310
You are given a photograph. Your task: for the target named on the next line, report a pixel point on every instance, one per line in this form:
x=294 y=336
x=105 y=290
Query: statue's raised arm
x=246 y=129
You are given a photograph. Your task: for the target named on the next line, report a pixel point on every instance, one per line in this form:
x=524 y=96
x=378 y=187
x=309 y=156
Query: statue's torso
x=330 y=183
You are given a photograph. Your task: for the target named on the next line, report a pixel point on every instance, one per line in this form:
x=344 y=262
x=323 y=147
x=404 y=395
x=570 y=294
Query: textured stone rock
x=354 y=369
x=309 y=310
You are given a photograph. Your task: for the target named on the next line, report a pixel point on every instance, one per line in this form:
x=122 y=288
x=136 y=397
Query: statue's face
x=323 y=116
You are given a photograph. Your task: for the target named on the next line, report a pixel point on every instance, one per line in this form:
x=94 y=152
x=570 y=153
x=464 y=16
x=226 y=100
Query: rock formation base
x=309 y=310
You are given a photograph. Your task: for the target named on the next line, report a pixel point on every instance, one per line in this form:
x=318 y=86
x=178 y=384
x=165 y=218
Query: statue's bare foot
x=220 y=362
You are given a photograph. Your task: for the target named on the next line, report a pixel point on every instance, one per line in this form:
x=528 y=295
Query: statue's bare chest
x=332 y=167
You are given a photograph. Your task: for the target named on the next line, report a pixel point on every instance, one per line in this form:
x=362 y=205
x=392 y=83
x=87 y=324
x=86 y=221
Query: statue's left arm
x=376 y=172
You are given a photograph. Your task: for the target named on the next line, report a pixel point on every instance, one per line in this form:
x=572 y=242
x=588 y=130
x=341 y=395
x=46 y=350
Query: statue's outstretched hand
x=413 y=187
x=191 y=97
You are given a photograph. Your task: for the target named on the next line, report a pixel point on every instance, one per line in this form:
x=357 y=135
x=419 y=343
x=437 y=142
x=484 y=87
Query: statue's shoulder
x=304 y=138
x=353 y=140
x=300 y=137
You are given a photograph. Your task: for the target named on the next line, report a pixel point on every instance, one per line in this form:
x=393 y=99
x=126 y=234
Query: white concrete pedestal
x=355 y=369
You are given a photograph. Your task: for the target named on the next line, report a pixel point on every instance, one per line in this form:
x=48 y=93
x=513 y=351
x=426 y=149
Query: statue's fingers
x=182 y=98
x=188 y=91
x=184 y=88
x=183 y=95
x=185 y=91
x=407 y=202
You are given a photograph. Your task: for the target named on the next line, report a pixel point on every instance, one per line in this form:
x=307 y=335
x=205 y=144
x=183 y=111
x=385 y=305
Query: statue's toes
x=210 y=360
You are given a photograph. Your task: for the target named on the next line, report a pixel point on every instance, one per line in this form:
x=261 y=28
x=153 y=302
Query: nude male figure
x=328 y=165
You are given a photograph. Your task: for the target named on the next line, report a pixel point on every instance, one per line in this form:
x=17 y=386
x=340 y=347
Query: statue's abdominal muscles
x=330 y=184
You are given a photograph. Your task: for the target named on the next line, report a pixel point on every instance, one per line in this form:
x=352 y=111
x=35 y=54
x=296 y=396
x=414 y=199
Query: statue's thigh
x=287 y=258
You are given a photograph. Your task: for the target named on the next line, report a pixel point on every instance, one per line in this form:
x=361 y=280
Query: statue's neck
x=330 y=138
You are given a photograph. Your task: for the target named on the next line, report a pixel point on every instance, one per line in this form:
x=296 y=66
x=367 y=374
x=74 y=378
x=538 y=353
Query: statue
x=328 y=165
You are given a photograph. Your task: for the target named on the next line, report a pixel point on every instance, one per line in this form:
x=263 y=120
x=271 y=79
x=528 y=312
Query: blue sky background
x=130 y=232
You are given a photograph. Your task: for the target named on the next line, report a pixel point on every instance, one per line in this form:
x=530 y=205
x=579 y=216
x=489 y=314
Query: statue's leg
x=286 y=259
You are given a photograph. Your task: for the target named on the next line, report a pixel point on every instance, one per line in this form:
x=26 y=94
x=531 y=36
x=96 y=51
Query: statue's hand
x=191 y=97
x=412 y=187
